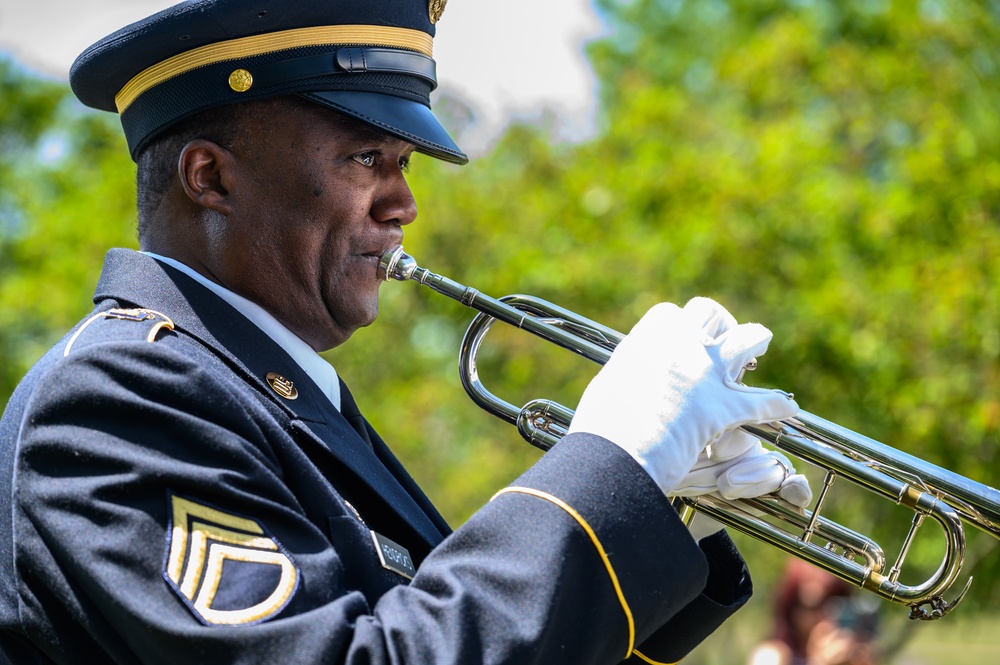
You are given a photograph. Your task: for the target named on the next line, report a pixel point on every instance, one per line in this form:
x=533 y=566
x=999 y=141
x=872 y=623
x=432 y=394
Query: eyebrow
x=364 y=132
x=369 y=133
x=382 y=138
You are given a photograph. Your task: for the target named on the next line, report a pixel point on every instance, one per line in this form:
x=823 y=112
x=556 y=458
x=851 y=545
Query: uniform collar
x=132 y=279
x=319 y=370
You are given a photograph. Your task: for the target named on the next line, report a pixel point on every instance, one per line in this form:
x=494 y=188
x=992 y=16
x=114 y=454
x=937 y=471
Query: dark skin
x=294 y=218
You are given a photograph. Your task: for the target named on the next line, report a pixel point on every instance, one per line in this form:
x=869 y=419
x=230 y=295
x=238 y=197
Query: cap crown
x=368 y=58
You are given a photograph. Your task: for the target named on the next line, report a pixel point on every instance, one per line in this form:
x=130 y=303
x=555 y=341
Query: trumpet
x=947 y=498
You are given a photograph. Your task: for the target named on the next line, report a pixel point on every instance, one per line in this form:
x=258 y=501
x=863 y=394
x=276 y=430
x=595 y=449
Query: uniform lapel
x=388 y=459
x=335 y=442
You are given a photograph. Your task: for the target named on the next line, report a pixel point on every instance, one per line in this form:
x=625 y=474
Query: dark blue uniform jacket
x=163 y=503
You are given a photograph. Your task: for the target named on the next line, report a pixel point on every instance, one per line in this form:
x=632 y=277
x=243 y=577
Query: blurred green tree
x=66 y=195
x=829 y=168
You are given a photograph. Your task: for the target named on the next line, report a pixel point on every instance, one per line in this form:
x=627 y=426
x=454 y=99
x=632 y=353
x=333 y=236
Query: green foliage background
x=831 y=169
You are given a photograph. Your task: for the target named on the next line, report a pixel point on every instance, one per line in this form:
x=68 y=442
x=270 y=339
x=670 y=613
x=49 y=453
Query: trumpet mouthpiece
x=396 y=264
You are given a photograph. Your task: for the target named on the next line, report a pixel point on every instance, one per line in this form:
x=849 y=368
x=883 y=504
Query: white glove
x=739 y=467
x=670 y=388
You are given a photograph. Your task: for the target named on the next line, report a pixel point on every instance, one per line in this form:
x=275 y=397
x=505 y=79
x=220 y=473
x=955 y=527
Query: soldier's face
x=320 y=197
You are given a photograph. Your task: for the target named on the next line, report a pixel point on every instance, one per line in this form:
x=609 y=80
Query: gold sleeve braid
x=647 y=659
x=597 y=545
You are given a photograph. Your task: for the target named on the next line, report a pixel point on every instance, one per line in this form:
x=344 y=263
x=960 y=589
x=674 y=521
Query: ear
x=206 y=172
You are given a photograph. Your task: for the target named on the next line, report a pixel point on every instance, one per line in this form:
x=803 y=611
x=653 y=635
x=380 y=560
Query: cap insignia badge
x=435 y=9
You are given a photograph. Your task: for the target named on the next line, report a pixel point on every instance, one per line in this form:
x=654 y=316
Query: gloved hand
x=739 y=467
x=670 y=388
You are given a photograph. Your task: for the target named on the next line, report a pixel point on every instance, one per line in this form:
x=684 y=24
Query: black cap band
x=350 y=60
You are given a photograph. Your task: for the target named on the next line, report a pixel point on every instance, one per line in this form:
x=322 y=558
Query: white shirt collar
x=319 y=370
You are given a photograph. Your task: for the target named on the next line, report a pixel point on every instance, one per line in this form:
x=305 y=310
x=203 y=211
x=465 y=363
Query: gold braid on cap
x=246 y=47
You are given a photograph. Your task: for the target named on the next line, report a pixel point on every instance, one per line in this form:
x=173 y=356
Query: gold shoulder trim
x=127 y=315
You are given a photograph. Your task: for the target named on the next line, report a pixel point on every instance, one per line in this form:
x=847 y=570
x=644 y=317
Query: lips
x=378 y=252
x=374 y=258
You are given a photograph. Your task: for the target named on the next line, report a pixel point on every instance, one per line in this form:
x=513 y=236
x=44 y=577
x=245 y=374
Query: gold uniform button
x=240 y=80
x=282 y=386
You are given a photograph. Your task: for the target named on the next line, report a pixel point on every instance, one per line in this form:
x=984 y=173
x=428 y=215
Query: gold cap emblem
x=240 y=80
x=435 y=9
x=282 y=386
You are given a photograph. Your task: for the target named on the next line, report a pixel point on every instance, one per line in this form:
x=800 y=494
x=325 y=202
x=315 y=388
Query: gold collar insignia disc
x=282 y=386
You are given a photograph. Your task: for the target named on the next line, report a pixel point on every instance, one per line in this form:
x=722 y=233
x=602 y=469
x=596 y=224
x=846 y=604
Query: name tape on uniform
x=394 y=556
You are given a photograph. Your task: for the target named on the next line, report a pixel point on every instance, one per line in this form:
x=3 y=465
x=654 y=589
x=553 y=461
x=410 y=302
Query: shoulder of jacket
x=119 y=324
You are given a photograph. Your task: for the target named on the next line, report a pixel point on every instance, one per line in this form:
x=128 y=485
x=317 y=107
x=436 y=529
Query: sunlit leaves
x=830 y=168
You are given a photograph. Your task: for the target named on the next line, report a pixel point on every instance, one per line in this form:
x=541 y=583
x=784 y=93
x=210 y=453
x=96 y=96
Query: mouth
x=374 y=257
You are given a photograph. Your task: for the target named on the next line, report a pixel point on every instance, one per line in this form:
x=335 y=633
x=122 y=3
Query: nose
x=395 y=204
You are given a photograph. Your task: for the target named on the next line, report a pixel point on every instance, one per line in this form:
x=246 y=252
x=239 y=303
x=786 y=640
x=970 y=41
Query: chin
x=344 y=325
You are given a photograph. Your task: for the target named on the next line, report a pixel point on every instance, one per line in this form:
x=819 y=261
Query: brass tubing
x=928 y=490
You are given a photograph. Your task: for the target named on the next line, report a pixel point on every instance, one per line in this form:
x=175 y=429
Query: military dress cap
x=370 y=59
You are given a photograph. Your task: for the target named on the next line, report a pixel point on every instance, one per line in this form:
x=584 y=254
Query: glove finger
x=740 y=345
x=710 y=316
x=734 y=443
x=737 y=348
x=781 y=458
x=703 y=462
x=762 y=405
x=699 y=482
x=661 y=319
x=753 y=477
x=693 y=490
x=796 y=490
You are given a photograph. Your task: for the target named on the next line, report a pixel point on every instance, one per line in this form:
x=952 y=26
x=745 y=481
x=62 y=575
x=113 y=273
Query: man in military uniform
x=185 y=480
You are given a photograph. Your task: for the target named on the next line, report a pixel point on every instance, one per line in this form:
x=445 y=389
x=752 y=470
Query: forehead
x=330 y=123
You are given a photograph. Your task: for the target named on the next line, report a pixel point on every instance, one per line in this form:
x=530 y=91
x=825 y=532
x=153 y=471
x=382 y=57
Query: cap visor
x=405 y=119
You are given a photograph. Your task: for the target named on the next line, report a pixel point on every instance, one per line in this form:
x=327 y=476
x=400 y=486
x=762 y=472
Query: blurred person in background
x=818 y=620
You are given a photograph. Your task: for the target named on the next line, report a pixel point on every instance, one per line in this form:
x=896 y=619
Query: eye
x=404 y=164
x=366 y=158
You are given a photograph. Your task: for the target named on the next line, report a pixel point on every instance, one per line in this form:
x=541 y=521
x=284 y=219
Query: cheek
x=343 y=190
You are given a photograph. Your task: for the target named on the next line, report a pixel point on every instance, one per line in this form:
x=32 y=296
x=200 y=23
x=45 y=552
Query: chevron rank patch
x=226 y=568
